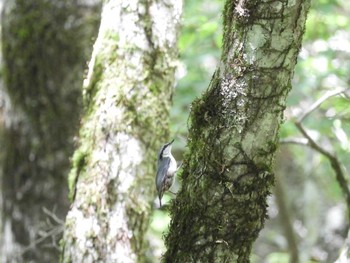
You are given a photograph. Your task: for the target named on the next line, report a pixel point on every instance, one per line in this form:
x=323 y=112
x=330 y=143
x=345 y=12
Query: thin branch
x=312 y=143
x=53 y=216
x=299 y=141
x=335 y=163
x=53 y=232
x=318 y=103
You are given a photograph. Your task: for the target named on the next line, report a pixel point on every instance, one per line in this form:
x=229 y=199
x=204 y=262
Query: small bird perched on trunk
x=166 y=171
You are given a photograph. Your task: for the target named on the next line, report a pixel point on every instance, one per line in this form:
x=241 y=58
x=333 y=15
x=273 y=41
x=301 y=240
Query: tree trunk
x=45 y=45
x=227 y=173
x=127 y=97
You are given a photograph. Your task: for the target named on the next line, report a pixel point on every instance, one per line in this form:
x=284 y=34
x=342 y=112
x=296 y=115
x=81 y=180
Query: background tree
x=233 y=135
x=127 y=96
x=45 y=45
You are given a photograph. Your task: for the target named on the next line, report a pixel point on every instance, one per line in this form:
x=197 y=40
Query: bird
x=166 y=170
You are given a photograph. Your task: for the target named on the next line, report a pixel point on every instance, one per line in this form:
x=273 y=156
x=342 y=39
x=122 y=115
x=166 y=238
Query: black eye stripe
x=164 y=146
x=161 y=153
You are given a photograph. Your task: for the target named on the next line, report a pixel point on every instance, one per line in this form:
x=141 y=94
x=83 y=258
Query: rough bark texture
x=127 y=97
x=45 y=47
x=227 y=173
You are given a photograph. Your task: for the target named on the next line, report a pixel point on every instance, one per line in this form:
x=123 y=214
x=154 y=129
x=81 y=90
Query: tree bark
x=44 y=46
x=227 y=173
x=127 y=96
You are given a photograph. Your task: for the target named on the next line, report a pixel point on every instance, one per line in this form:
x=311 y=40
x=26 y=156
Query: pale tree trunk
x=45 y=45
x=127 y=97
x=227 y=173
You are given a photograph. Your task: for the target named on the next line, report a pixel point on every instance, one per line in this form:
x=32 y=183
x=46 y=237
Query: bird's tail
x=160 y=199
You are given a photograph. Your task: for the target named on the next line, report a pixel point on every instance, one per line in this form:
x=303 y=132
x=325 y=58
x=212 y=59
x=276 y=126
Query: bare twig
x=53 y=216
x=308 y=141
x=51 y=233
x=54 y=230
x=318 y=103
x=335 y=163
x=300 y=141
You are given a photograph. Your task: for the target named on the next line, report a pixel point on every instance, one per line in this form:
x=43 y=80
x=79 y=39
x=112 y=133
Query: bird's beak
x=171 y=141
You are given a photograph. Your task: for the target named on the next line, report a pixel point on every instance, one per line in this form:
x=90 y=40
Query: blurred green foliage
x=310 y=185
x=199 y=46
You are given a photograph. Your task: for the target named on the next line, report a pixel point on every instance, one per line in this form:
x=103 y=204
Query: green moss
x=268 y=149
x=154 y=89
x=263 y=167
x=79 y=162
x=64 y=258
x=91 y=90
x=110 y=34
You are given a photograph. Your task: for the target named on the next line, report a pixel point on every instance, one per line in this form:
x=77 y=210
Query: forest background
x=308 y=211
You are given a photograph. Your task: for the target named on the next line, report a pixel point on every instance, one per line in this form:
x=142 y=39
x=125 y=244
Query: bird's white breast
x=172 y=165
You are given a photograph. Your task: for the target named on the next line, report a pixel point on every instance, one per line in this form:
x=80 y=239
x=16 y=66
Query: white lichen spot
x=241 y=87
x=239 y=121
x=234 y=92
x=128 y=157
x=227 y=90
x=131 y=33
x=164 y=15
x=241 y=102
x=240 y=9
x=117 y=216
x=86 y=228
x=119 y=235
x=118 y=157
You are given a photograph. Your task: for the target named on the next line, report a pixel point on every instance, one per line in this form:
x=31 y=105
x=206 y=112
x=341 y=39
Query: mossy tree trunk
x=45 y=45
x=127 y=93
x=227 y=174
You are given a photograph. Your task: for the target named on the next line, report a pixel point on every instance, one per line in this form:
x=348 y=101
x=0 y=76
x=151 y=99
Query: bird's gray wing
x=163 y=166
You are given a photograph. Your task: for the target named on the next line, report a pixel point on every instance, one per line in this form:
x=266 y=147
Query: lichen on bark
x=127 y=95
x=227 y=173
